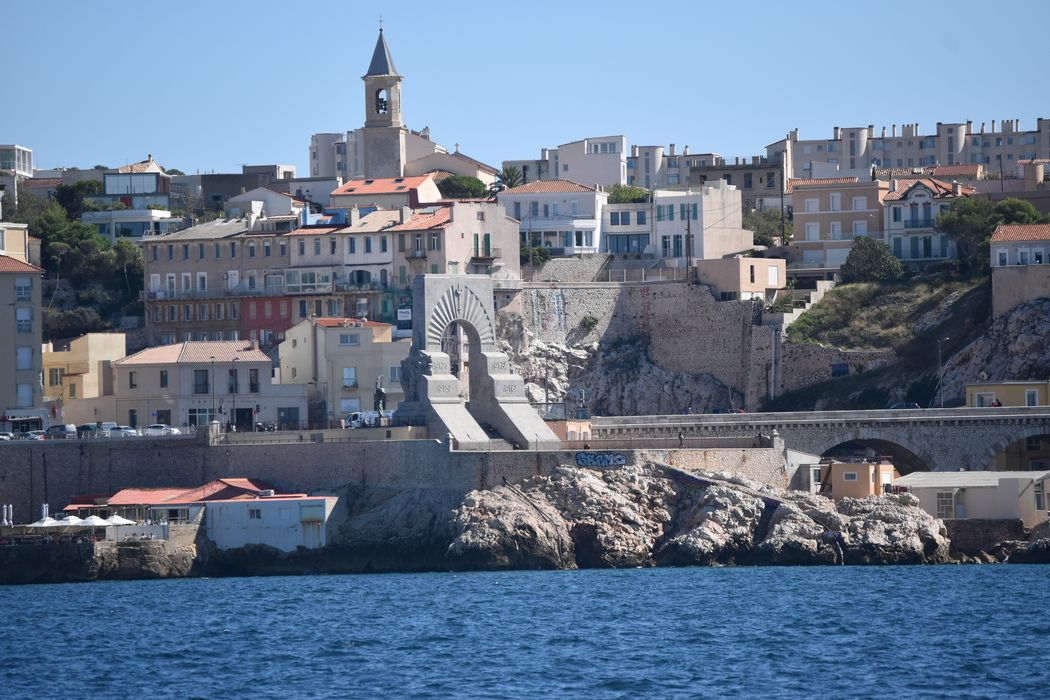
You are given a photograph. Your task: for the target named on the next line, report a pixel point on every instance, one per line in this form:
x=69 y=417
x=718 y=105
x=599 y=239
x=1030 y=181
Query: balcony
x=487 y=254
x=416 y=254
x=919 y=223
x=240 y=290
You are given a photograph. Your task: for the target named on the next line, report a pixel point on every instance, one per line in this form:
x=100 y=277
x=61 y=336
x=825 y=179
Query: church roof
x=382 y=63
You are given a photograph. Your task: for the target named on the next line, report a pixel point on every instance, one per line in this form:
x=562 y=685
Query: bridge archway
x=1018 y=450
x=907 y=457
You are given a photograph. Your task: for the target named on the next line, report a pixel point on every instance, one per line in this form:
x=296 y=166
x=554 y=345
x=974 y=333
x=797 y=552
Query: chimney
x=354 y=216
x=969 y=127
x=883 y=132
x=956 y=187
x=982 y=127
x=406 y=214
x=685 y=150
x=893 y=184
x=671 y=149
x=993 y=126
x=894 y=129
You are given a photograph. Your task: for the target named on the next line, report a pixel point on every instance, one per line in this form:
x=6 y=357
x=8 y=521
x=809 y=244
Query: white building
x=596 y=161
x=284 y=522
x=985 y=495
x=911 y=207
x=562 y=215
x=131 y=223
x=699 y=222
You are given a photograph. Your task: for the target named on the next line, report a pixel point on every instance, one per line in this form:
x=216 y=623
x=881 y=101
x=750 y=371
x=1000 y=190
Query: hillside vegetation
x=888 y=315
x=907 y=316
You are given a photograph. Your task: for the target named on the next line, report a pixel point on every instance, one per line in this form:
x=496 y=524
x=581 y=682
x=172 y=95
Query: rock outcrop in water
x=654 y=515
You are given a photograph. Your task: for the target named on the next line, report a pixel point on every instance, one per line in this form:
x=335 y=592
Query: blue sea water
x=948 y=631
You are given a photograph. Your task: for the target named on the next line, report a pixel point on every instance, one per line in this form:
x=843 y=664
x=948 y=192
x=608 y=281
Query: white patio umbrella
x=93 y=521
x=64 y=522
x=117 y=520
x=43 y=522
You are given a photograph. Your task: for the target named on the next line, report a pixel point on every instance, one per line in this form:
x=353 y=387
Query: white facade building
x=562 y=215
x=284 y=522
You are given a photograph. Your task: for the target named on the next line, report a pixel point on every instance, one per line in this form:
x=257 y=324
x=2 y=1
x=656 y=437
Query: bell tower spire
x=384 y=131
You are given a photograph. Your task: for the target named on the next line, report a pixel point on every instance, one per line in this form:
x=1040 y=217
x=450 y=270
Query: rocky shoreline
x=635 y=516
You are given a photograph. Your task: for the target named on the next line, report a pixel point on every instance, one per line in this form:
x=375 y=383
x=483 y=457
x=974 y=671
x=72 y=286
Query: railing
x=642 y=274
x=416 y=254
x=215 y=293
x=919 y=223
x=488 y=253
x=671 y=443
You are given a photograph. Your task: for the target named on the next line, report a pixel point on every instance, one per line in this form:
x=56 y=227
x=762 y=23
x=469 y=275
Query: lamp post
x=940 y=369
x=212 y=389
x=233 y=394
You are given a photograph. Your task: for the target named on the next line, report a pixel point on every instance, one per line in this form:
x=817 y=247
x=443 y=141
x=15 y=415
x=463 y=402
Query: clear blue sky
x=211 y=85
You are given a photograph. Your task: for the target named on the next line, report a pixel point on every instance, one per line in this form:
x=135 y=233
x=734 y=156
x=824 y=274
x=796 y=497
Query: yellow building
x=1012 y=393
x=340 y=359
x=83 y=370
x=838 y=480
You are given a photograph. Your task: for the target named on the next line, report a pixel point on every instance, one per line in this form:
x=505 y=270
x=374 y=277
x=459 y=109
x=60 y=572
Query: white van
x=364 y=419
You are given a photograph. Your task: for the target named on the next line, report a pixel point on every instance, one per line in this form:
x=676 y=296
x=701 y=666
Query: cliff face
x=654 y=515
x=1016 y=347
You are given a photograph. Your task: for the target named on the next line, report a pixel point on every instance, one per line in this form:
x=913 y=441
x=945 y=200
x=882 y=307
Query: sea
x=979 y=631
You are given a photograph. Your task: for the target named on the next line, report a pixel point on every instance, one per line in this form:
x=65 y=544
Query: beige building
x=838 y=480
x=339 y=361
x=985 y=495
x=911 y=207
x=1008 y=393
x=193 y=383
x=20 y=317
x=742 y=278
x=829 y=213
x=475 y=238
x=1020 y=265
x=387 y=192
x=83 y=370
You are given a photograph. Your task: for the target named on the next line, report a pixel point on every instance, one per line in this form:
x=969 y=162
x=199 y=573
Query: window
x=218 y=251
x=186 y=281
x=368 y=245
x=201 y=385
x=349 y=377
x=133 y=380
x=640 y=218
x=24 y=320
x=255 y=514
x=435 y=241
x=748 y=179
x=202 y=281
x=200 y=251
x=253 y=381
x=24 y=357
x=171 y=252
x=251 y=249
x=231 y=381
x=349 y=340
x=614 y=218
x=1031 y=397
x=23 y=289
x=25 y=395
x=896 y=214
x=284 y=248
x=233 y=249
x=266 y=249
x=836 y=201
x=395 y=374
x=55 y=376
x=860 y=203
x=812 y=205
x=860 y=228
x=812 y=231
x=163 y=379
x=317 y=246
x=849 y=476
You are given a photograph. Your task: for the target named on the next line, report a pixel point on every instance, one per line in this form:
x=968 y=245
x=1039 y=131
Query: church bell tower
x=383 y=133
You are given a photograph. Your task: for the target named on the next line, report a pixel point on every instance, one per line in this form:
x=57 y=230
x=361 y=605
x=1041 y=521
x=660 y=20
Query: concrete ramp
x=454 y=419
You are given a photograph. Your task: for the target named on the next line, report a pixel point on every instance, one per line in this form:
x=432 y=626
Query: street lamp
x=233 y=391
x=940 y=369
x=212 y=389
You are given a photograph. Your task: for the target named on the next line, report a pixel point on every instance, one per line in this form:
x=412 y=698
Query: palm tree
x=506 y=179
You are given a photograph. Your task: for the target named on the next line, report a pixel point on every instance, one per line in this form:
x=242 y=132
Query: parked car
x=6 y=436
x=161 y=430
x=61 y=432
x=123 y=431
x=35 y=435
x=905 y=406
x=92 y=430
x=365 y=419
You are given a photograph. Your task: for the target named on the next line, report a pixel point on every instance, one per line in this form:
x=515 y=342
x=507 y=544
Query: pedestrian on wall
x=681 y=439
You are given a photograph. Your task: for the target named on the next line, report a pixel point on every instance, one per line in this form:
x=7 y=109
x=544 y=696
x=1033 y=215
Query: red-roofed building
x=192 y=383
x=561 y=215
x=387 y=192
x=911 y=208
x=829 y=213
x=339 y=360
x=1020 y=265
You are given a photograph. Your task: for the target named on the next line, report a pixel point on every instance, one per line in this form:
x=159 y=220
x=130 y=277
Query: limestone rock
x=1036 y=552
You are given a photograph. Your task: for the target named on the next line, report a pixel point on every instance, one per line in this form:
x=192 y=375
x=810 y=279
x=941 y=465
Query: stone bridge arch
x=1018 y=432
x=819 y=444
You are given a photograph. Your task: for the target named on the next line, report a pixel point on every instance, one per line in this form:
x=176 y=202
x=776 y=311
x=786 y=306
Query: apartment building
x=16 y=165
x=340 y=361
x=829 y=213
x=1020 y=265
x=192 y=383
x=699 y=223
x=562 y=215
x=81 y=369
x=911 y=209
x=599 y=161
x=758 y=179
x=855 y=150
x=20 y=316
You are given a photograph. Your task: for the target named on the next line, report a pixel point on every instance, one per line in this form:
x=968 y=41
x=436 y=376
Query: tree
x=969 y=222
x=870 y=261
x=73 y=197
x=507 y=178
x=71 y=323
x=1016 y=211
x=101 y=167
x=461 y=187
x=29 y=206
x=765 y=225
x=627 y=194
x=173 y=171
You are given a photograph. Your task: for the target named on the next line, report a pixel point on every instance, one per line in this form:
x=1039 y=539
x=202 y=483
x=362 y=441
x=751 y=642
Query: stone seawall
x=31 y=473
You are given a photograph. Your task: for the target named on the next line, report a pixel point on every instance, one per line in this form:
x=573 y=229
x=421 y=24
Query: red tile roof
x=818 y=182
x=9 y=264
x=426 y=220
x=143 y=497
x=197 y=351
x=381 y=185
x=960 y=170
x=220 y=489
x=940 y=189
x=548 y=187
x=1021 y=232
x=315 y=230
x=343 y=322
